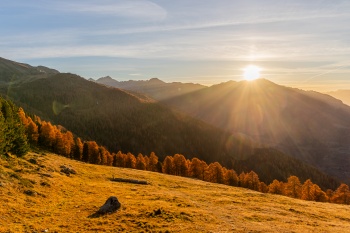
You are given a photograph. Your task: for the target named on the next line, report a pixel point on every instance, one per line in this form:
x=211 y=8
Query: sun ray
x=251 y=72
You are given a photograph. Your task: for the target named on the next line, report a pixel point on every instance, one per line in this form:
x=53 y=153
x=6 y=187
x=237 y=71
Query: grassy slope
x=188 y=205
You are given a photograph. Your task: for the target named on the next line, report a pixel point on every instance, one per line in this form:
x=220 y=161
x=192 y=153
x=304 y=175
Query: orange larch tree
x=130 y=160
x=120 y=159
x=168 y=166
x=153 y=162
x=78 y=149
x=47 y=135
x=307 y=191
x=341 y=195
x=180 y=165
x=215 y=173
x=293 y=187
x=140 y=162
x=276 y=187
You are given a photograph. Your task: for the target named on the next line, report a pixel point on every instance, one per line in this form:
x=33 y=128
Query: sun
x=251 y=72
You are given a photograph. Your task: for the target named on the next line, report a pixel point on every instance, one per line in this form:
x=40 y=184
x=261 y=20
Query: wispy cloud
x=134 y=9
x=287 y=37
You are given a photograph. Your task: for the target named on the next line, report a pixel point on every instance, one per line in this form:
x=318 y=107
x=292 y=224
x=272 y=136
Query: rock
x=112 y=204
x=30 y=192
x=44 y=183
x=67 y=170
x=33 y=161
x=157 y=212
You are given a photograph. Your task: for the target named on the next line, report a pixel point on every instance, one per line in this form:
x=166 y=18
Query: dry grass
x=64 y=204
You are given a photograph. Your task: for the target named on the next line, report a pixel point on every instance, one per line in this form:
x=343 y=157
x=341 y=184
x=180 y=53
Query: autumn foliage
x=61 y=141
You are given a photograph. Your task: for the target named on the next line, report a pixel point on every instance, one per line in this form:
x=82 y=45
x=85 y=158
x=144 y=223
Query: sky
x=303 y=44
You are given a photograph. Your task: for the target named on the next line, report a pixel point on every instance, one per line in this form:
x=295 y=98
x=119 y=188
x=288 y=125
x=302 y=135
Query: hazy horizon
x=295 y=43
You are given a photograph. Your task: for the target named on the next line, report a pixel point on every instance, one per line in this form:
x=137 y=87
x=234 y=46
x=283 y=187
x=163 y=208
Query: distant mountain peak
x=156 y=81
x=106 y=78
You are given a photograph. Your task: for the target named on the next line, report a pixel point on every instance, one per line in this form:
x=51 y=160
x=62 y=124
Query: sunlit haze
x=304 y=44
x=251 y=72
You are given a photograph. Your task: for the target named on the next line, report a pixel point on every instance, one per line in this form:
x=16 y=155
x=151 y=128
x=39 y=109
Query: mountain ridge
x=120 y=121
x=343 y=95
x=310 y=126
x=154 y=87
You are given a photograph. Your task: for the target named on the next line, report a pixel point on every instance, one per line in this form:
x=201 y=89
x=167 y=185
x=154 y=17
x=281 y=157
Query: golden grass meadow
x=36 y=197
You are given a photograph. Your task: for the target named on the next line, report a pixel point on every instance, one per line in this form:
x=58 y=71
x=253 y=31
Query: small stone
x=112 y=204
x=158 y=212
x=66 y=170
x=44 y=183
x=30 y=192
x=33 y=161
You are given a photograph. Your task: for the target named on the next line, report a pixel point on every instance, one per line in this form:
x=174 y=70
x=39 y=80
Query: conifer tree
x=120 y=159
x=12 y=134
x=197 y=168
x=103 y=154
x=319 y=195
x=180 y=165
x=153 y=162
x=231 y=177
x=95 y=157
x=32 y=132
x=263 y=187
x=130 y=160
x=140 y=162
x=293 y=187
x=59 y=144
x=241 y=179
x=168 y=166
x=68 y=140
x=251 y=181
x=276 y=187
x=307 y=191
x=47 y=135
x=215 y=173
x=78 y=149
x=341 y=195
x=146 y=162
x=110 y=159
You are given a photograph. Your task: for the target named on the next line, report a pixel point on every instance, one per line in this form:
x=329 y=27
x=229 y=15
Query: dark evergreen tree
x=12 y=134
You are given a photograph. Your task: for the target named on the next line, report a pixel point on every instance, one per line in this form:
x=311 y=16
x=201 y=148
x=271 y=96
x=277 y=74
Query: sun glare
x=251 y=72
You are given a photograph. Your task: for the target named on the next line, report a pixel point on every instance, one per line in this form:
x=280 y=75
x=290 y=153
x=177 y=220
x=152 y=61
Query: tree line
x=19 y=130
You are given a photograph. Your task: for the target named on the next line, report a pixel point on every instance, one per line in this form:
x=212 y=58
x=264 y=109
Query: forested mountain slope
x=312 y=127
x=12 y=72
x=122 y=121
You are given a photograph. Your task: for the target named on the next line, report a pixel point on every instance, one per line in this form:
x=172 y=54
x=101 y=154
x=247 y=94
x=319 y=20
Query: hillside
x=12 y=72
x=155 y=88
x=123 y=121
x=343 y=95
x=312 y=127
x=64 y=203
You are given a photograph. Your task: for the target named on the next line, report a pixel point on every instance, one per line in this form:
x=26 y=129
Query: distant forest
x=19 y=132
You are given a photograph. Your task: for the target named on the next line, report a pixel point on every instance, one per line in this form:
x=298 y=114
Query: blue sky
x=303 y=44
